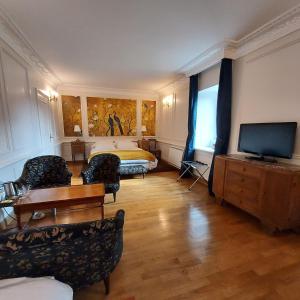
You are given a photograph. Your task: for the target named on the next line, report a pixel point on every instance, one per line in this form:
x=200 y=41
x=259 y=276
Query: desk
x=60 y=197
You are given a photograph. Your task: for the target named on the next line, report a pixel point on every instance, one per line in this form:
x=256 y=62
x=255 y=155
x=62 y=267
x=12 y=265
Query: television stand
x=262 y=158
x=267 y=191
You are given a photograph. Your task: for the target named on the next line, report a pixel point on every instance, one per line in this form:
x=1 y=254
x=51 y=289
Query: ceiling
x=133 y=44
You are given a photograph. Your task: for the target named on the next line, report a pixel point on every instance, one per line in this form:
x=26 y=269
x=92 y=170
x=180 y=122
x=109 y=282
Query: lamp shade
x=144 y=128
x=77 y=129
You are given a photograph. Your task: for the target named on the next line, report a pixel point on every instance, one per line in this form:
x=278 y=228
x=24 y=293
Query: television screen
x=269 y=139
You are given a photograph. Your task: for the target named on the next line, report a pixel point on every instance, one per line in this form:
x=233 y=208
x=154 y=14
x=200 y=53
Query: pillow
x=127 y=145
x=104 y=146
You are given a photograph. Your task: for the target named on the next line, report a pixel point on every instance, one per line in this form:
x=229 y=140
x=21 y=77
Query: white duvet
x=125 y=145
x=42 y=288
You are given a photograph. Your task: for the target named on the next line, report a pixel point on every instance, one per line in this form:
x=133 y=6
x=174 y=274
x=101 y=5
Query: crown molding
x=180 y=83
x=12 y=35
x=281 y=26
x=275 y=29
x=90 y=90
x=210 y=57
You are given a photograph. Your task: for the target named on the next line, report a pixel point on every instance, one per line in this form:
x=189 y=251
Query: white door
x=45 y=122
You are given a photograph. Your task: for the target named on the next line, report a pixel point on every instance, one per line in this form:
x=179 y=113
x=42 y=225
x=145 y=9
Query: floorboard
x=180 y=244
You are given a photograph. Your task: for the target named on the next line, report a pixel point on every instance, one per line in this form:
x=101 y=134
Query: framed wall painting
x=71 y=109
x=149 y=117
x=111 y=117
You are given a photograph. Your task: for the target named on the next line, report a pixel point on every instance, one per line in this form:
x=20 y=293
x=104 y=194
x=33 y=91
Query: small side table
x=78 y=147
x=156 y=153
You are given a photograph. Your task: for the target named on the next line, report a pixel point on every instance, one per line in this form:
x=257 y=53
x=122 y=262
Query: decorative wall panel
x=71 y=108
x=18 y=102
x=111 y=117
x=149 y=117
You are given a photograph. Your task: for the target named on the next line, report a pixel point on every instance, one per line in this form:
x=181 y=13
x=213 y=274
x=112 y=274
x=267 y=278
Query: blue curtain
x=223 y=115
x=193 y=100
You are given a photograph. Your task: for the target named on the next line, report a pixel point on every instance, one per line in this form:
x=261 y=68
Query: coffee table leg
x=54 y=212
x=102 y=211
x=102 y=207
x=18 y=215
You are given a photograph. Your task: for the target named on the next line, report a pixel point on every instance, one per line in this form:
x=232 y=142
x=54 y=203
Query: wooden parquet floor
x=182 y=245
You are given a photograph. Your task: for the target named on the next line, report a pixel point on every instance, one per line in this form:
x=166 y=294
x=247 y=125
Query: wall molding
x=210 y=57
x=15 y=158
x=273 y=30
x=89 y=90
x=277 y=28
x=14 y=38
x=181 y=83
x=175 y=143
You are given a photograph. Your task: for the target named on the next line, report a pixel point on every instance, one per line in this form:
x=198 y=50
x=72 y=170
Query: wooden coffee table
x=60 y=197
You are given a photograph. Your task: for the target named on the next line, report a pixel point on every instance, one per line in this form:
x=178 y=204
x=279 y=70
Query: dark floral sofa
x=104 y=168
x=44 y=172
x=77 y=254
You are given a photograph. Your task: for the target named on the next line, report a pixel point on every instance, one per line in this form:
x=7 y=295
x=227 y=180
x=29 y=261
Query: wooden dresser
x=269 y=191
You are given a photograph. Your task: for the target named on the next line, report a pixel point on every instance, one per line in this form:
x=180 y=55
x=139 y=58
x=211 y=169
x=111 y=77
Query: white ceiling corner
x=14 y=38
x=273 y=30
x=139 y=46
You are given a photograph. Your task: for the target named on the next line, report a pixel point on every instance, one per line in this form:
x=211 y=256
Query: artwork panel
x=71 y=108
x=149 y=117
x=111 y=117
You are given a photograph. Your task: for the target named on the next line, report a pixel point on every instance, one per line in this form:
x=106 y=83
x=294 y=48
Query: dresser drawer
x=245 y=199
x=248 y=170
x=241 y=180
x=243 y=189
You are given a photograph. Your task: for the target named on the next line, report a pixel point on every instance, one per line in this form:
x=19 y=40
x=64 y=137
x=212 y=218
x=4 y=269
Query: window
x=206 y=133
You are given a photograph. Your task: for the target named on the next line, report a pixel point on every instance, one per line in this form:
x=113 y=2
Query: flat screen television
x=268 y=139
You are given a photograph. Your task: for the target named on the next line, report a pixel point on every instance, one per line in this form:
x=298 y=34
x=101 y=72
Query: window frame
x=198 y=147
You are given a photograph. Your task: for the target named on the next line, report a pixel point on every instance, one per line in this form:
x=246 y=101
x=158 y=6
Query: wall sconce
x=53 y=96
x=168 y=100
x=50 y=94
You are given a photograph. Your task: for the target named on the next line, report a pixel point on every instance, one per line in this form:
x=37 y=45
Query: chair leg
x=115 y=196
x=54 y=212
x=107 y=285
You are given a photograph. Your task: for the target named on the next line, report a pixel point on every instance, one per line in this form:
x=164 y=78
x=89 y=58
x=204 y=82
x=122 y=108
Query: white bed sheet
x=149 y=165
x=41 y=288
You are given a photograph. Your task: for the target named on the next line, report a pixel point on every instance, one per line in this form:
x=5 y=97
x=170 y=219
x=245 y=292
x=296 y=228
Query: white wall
x=173 y=119
x=266 y=87
x=26 y=120
x=85 y=92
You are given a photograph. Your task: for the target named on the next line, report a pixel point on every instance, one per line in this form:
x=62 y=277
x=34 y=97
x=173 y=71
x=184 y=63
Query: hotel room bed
x=134 y=160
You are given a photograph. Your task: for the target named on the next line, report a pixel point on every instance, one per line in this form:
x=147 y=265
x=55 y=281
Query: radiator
x=175 y=156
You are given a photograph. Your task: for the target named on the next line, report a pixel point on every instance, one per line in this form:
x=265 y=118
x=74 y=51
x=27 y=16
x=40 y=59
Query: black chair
x=104 y=168
x=45 y=172
x=76 y=254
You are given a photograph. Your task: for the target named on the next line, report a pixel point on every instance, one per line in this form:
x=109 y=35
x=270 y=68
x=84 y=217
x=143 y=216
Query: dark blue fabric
x=76 y=254
x=193 y=101
x=223 y=115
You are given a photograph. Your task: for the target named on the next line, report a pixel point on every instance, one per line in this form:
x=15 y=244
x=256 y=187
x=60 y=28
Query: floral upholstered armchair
x=44 y=172
x=76 y=254
x=104 y=168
